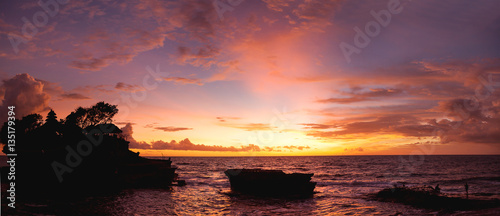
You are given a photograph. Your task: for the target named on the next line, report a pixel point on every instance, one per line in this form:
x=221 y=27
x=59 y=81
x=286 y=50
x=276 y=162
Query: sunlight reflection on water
x=342 y=184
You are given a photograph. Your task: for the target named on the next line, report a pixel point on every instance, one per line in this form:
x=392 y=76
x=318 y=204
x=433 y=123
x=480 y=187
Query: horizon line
x=337 y=155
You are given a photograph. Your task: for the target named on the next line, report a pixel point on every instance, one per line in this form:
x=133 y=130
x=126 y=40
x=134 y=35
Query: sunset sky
x=270 y=77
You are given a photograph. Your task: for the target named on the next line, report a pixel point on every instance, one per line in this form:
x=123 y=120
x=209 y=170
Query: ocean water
x=342 y=185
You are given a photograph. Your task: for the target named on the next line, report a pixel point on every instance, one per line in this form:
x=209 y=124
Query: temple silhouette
x=84 y=153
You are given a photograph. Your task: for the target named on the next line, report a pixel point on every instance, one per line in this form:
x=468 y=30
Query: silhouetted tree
x=76 y=117
x=26 y=125
x=100 y=113
x=24 y=128
x=30 y=122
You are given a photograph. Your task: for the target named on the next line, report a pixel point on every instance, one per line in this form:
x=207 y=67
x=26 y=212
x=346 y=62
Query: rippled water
x=343 y=181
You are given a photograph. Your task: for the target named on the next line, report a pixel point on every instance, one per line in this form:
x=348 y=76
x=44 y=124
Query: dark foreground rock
x=273 y=183
x=425 y=197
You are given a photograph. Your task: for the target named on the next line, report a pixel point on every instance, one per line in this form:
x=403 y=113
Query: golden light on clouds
x=268 y=78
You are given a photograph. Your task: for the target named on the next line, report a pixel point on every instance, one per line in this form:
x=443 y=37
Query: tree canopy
x=27 y=125
x=100 y=113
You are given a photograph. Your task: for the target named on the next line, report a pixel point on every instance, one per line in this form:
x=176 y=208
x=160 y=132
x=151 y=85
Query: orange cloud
x=183 y=80
x=359 y=96
x=128 y=87
x=25 y=93
x=74 y=96
x=185 y=144
x=172 y=129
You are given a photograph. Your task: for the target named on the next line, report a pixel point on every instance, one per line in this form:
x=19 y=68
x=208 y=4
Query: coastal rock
x=274 y=183
x=428 y=198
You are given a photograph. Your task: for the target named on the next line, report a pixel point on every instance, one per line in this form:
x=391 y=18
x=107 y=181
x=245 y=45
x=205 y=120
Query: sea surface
x=342 y=185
